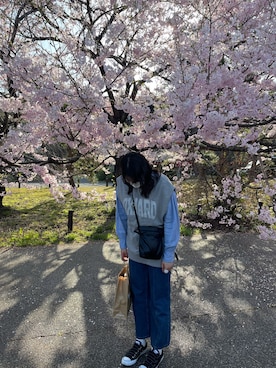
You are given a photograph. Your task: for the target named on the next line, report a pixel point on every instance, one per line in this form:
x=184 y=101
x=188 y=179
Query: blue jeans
x=151 y=290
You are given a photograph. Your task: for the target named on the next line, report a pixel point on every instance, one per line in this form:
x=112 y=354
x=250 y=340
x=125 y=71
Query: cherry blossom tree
x=223 y=97
x=190 y=83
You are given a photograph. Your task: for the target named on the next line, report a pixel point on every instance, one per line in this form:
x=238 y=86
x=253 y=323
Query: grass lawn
x=31 y=216
x=34 y=217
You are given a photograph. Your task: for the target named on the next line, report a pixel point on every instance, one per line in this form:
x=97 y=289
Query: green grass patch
x=32 y=217
x=187 y=231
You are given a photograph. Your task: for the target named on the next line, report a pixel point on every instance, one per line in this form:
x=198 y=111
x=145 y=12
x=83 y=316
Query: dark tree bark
x=2 y=193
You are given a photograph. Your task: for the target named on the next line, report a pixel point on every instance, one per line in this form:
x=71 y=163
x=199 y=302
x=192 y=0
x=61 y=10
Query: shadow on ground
x=56 y=305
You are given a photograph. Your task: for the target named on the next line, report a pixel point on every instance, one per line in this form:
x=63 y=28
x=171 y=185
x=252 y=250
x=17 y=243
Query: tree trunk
x=2 y=193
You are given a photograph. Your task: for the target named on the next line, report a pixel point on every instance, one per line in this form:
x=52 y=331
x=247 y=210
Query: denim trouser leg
x=151 y=303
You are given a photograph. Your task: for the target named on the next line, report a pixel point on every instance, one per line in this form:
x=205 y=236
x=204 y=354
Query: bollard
x=70 y=221
x=260 y=207
x=198 y=209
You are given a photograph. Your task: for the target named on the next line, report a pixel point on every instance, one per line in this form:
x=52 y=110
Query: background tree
x=223 y=99
x=189 y=83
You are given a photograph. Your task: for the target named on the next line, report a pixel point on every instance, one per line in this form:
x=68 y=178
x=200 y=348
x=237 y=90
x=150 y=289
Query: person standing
x=154 y=198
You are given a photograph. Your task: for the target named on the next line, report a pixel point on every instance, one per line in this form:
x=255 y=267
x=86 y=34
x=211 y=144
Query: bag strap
x=133 y=203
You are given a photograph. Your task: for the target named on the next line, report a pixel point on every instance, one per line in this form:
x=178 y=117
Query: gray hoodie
x=150 y=211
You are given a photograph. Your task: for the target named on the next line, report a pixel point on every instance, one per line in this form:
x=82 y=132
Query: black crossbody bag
x=151 y=239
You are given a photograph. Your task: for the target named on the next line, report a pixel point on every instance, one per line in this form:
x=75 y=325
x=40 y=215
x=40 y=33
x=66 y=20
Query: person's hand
x=124 y=255
x=167 y=266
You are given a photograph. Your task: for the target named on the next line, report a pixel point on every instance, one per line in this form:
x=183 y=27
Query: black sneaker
x=153 y=360
x=133 y=354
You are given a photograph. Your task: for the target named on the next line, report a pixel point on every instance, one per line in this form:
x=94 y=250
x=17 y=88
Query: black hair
x=136 y=167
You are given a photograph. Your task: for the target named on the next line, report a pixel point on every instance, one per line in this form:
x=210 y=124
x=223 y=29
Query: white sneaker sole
x=132 y=362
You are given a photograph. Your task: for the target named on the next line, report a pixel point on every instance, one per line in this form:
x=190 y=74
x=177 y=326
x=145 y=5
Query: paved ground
x=56 y=305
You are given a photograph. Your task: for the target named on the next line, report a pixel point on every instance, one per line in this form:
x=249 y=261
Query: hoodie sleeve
x=121 y=223
x=171 y=229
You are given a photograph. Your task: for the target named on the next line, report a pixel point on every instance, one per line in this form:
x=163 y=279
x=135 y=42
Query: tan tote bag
x=122 y=300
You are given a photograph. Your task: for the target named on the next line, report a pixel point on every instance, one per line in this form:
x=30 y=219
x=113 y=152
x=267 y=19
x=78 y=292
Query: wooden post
x=198 y=209
x=2 y=193
x=260 y=207
x=70 y=221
